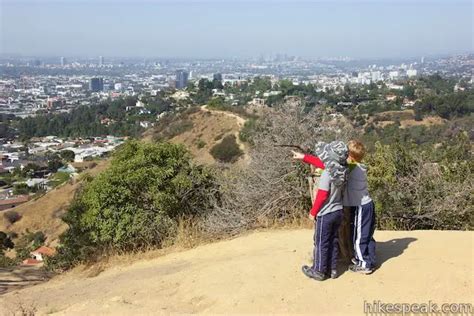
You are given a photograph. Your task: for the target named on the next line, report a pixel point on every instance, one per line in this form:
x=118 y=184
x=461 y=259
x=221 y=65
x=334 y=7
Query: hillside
x=210 y=127
x=260 y=273
x=406 y=119
x=205 y=128
x=44 y=214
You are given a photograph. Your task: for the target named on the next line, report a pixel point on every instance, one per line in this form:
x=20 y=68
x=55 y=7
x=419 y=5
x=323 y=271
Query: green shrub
x=59 y=178
x=5 y=241
x=411 y=191
x=27 y=243
x=68 y=155
x=248 y=130
x=21 y=189
x=6 y=262
x=227 y=150
x=200 y=143
x=217 y=103
x=135 y=203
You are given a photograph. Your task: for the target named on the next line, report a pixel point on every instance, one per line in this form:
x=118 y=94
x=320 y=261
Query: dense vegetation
x=5 y=244
x=447 y=106
x=23 y=246
x=418 y=189
x=112 y=117
x=84 y=121
x=134 y=204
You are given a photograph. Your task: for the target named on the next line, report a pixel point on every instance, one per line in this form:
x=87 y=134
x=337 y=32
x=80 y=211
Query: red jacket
x=321 y=195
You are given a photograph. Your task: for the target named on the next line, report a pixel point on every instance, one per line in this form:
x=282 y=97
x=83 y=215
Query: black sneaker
x=313 y=274
x=334 y=274
x=359 y=269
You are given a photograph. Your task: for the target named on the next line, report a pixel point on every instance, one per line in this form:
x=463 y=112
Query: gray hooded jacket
x=356 y=191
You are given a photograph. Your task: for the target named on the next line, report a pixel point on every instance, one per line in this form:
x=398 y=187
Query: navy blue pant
x=326 y=246
x=362 y=229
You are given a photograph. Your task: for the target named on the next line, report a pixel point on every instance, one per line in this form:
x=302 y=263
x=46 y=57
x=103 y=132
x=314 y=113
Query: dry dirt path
x=260 y=273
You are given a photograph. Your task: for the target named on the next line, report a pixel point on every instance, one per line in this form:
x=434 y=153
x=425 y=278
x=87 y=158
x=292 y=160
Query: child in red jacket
x=327 y=207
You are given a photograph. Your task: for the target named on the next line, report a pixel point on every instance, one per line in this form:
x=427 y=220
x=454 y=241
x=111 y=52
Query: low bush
x=11 y=216
x=227 y=150
x=248 y=130
x=135 y=203
x=28 y=242
x=21 y=189
x=200 y=143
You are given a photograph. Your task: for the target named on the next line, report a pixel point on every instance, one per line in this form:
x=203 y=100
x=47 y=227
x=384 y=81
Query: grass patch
x=59 y=178
x=200 y=143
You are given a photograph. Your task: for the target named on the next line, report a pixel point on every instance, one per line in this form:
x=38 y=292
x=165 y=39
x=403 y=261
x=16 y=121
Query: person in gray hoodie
x=356 y=197
x=327 y=207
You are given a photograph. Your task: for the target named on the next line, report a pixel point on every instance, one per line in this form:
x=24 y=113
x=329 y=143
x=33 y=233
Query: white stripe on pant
x=319 y=246
x=358 y=233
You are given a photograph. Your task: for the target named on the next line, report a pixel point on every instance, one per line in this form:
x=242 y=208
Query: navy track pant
x=362 y=229
x=326 y=246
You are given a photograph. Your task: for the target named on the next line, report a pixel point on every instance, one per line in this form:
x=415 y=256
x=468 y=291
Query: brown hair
x=356 y=150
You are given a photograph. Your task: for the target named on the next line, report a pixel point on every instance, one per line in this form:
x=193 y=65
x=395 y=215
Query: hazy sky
x=225 y=28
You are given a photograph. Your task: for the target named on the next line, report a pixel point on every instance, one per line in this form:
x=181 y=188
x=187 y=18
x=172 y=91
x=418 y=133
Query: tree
x=204 y=92
x=409 y=92
x=216 y=103
x=217 y=84
x=54 y=164
x=68 y=155
x=5 y=242
x=136 y=202
x=21 y=189
x=29 y=242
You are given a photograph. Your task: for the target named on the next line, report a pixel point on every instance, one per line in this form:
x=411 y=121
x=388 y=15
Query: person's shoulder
x=359 y=172
x=360 y=167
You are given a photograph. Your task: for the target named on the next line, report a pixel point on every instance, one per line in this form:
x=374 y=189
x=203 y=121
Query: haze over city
x=210 y=29
x=228 y=156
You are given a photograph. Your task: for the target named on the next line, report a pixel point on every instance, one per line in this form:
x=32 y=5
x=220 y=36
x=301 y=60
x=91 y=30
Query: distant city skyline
x=242 y=29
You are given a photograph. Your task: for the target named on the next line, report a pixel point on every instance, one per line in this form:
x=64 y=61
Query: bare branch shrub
x=12 y=216
x=272 y=186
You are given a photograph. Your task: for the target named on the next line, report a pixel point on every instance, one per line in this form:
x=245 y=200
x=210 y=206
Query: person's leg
x=364 y=227
x=323 y=244
x=352 y=214
x=355 y=215
x=336 y=220
x=371 y=249
x=316 y=237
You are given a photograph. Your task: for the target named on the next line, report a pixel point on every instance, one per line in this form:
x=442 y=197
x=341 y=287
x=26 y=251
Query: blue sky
x=225 y=28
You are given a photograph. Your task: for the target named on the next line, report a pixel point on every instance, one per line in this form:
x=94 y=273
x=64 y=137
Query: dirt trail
x=260 y=273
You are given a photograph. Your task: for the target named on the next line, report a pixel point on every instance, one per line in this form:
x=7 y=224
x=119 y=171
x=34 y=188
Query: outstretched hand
x=297 y=155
